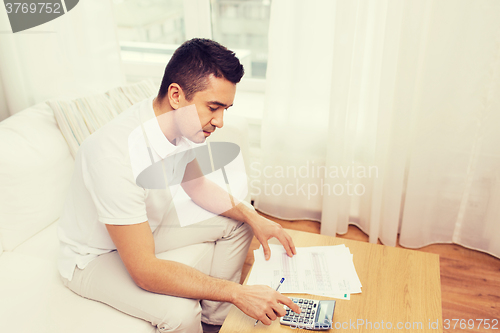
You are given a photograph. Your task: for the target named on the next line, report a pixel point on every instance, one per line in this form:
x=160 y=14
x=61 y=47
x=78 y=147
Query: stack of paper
x=319 y=270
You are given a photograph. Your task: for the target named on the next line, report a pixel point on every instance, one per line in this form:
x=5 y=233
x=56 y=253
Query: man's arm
x=135 y=244
x=211 y=197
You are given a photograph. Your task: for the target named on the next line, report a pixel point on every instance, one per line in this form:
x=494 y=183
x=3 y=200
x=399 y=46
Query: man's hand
x=263 y=303
x=264 y=229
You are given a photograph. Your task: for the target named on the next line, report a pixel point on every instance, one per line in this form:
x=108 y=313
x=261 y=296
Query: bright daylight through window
x=150 y=30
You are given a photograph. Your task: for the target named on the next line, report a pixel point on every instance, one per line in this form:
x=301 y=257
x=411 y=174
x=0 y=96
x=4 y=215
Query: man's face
x=210 y=105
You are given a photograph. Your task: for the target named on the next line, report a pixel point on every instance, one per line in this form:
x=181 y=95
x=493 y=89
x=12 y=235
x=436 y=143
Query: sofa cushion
x=35 y=173
x=34 y=298
x=78 y=118
x=43 y=245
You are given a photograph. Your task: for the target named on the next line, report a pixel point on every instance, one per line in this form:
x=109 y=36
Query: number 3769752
x=40 y=7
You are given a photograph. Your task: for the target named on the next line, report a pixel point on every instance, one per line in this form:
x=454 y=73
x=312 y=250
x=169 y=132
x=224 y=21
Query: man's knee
x=238 y=232
x=185 y=317
x=247 y=232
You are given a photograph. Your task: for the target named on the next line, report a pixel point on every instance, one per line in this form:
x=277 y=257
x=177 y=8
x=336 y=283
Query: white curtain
x=74 y=54
x=385 y=115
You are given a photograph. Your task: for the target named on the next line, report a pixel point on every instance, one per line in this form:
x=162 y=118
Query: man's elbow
x=141 y=282
x=143 y=276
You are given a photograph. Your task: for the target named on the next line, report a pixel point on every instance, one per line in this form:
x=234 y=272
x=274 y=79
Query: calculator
x=315 y=315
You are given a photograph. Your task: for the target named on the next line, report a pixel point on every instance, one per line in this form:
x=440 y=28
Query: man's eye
x=212 y=109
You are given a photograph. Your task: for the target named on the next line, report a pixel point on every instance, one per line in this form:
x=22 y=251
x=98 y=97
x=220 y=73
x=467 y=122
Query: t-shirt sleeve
x=116 y=196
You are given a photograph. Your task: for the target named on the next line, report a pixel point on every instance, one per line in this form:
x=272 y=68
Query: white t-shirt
x=103 y=189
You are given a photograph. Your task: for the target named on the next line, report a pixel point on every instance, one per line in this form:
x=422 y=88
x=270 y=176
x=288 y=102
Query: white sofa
x=35 y=170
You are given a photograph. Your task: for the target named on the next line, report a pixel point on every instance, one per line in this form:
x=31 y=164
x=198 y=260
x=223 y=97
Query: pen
x=278 y=287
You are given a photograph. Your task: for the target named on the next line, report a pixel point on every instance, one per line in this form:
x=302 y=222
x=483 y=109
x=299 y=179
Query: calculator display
x=325 y=312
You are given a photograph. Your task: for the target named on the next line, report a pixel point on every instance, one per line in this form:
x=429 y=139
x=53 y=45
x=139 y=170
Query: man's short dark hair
x=194 y=61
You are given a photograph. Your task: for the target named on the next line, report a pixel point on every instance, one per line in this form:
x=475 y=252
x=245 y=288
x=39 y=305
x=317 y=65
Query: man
x=111 y=227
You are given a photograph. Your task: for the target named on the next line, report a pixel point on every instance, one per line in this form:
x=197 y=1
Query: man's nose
x=218 y=120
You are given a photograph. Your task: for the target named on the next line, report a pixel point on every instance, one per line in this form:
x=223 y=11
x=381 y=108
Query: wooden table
x=401 y=289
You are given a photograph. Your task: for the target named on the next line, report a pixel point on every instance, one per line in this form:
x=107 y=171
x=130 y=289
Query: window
x=150 y=30
x=243 y=25
x=150 y=21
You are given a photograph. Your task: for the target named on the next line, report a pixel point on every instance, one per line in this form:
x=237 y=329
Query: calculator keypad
x=307 y=315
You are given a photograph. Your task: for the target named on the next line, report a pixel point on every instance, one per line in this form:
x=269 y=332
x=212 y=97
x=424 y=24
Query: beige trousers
x=106 y=279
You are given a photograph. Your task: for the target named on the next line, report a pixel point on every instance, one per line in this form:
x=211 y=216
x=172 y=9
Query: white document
x=319 y=270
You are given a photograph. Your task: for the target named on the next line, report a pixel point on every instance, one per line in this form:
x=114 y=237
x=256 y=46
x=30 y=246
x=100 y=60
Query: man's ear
x=175 y=95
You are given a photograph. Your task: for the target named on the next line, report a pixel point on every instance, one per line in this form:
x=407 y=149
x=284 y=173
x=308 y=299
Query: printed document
x=318 y=270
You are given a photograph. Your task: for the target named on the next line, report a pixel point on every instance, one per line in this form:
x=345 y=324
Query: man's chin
x=198 y=138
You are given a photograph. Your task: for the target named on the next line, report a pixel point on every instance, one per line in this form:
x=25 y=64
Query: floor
x=470 y=280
